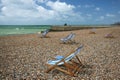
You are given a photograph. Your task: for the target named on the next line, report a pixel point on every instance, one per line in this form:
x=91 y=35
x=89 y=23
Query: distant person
x=65 y=24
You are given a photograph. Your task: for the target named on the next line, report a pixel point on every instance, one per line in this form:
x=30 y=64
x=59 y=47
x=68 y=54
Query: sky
x=58 y=12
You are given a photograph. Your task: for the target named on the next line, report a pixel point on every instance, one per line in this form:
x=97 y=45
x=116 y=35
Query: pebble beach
x=24 y=57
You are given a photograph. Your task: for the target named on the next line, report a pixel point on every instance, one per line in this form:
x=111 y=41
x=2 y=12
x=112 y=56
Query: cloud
x=118 y=12
x=110 y=15
x=89 y=15
x=60 y=6
x=38 y=11
x=18 y=8
x=97 y=9
x=79 y=6
x=41 y=1
x=88 y=6
x=46 y=14
x=100 y=18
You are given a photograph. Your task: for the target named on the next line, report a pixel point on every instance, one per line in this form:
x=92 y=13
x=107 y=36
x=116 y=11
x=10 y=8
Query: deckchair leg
x=65 y=71
x=52 y=67
x=76 y=66
x=72 y=68
x=79 y=60
x=60 y=69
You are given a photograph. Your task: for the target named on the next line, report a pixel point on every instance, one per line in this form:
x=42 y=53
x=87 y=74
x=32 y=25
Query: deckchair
x=68 y=38
x=44 y=34
x=109 y=35
x=66 y=64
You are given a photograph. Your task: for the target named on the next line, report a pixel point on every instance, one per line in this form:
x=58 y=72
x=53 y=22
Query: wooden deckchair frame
x=91 y=32
x=70 y=68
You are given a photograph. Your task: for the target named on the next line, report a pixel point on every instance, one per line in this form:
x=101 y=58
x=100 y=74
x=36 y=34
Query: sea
x=22 y=29
x=29 y=29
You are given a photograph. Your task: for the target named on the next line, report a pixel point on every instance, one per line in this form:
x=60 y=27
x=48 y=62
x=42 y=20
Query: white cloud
x=89 y=15
x=24 y=10
x=79 y=6
x=60 y=6
x=88 y=6
x=110 y=15
x=16 y=8
x=97 y=9
x=119 y=12
x=46 y=14
x=42 y=1
x=19 y=3
x=100 y=18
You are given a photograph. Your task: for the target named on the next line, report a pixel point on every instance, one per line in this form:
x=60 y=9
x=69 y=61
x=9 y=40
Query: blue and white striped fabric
x=59 y=57
x=69 y=37
x=68 y=58
x=45 y=33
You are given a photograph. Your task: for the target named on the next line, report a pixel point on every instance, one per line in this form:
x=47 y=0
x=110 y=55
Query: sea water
x=22 y=29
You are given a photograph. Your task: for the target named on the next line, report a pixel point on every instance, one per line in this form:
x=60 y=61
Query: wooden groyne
x=69 y=28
